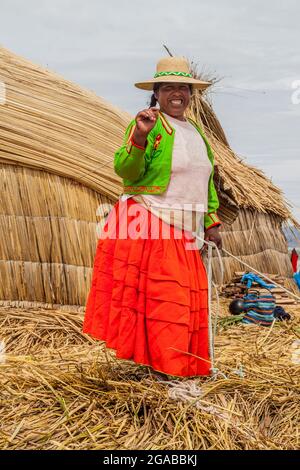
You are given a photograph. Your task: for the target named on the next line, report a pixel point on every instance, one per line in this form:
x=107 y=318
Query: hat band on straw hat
x=173 y=70
x=178 y=74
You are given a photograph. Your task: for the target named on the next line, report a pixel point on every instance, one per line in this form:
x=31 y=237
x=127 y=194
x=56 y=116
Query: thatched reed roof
x=51 y=124
x=239 y=184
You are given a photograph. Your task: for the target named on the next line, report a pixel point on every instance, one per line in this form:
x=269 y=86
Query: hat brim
x=148 y=85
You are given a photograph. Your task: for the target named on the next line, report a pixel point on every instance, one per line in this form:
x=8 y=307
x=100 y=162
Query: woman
x=148 y=299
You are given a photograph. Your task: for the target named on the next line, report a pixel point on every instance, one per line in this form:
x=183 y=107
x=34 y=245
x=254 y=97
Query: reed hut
x=57 y=143
x=253 y=210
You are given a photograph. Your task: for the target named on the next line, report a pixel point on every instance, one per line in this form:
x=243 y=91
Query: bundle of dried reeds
x=63 y=390
x=49 y=235
x=51 y=124
x=234 y=175
x=258 y=240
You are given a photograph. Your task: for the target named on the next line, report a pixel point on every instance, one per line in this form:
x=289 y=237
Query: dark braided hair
x=153 y=100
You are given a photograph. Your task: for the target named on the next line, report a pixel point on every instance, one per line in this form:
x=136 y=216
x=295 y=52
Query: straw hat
x=172 y=69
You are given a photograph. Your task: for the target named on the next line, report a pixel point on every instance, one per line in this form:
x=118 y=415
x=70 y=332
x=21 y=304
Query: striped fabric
x=177 y=74
x=259 y=308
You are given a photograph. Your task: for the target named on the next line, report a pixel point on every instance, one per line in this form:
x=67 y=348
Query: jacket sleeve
x=129 y=160
x=211 y=218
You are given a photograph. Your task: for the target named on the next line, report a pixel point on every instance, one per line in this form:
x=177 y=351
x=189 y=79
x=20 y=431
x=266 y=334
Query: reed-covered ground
x=60 y=389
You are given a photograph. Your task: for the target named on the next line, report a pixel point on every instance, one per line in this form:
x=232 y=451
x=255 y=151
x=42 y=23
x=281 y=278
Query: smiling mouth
x=177 y=102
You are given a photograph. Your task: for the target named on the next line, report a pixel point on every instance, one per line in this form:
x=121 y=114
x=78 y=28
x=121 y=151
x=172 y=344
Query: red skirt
x=149 y=294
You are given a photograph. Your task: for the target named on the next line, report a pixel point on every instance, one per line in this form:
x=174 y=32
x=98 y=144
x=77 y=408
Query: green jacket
x=148 y=170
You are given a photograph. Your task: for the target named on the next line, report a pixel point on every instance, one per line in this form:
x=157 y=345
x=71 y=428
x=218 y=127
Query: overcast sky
x=106 y=46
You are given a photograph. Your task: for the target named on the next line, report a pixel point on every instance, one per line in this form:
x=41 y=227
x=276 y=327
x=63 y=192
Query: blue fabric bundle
x=249 y=278
x=297 y=279
x=259 y=308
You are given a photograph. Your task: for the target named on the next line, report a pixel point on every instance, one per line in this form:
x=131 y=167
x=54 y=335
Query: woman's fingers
x=215 y=239
x=150 y=114
x=141 y=116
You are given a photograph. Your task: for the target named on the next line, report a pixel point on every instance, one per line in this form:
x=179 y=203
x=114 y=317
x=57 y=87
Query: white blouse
x=184 y=202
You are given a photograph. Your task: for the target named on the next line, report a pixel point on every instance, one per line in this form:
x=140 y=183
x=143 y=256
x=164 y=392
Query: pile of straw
x=49 y=236
x=258 y=240
x=51 y=124
x=232 y=173
x=62 y=390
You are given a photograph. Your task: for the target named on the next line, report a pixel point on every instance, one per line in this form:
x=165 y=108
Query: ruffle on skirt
x=149 y=297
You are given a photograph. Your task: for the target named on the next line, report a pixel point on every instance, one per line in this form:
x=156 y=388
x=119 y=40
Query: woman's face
x=173 y=98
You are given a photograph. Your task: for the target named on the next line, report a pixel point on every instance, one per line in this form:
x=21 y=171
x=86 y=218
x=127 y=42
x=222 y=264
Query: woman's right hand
x=145 y=121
